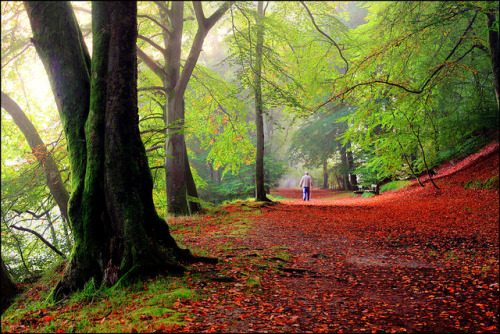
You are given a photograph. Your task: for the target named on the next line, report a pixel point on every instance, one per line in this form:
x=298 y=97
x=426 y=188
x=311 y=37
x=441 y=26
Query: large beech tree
x=117 y=231
x=179 y=181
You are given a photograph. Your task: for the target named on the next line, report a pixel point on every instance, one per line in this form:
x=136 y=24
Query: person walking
x=306 y=184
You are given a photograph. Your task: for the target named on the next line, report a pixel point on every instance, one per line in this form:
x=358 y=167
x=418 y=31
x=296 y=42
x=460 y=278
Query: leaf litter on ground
x=410 y=260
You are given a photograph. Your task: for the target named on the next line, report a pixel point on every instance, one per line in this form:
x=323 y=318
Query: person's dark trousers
x=306 y=193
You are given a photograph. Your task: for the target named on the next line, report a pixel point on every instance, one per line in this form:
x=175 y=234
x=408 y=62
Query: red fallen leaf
x=491 y=328
x=47 y=318
x=60 y=331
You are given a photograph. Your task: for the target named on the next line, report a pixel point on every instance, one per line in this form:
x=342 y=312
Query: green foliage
x=423 y=87
x=316 y=140
x=229 y=187
x=461 y=150
x=237 y=186
x=216 y=122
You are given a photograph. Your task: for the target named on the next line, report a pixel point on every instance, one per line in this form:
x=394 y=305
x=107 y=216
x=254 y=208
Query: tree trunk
x=194 y=207
x=179 y=179
x=350 y=163
x=117 y=233
x=325 y=174
x=9 y=288
x=493 y=40
x=260 y=192
x=39 y=236
x=175 y=165
x=345 y=167
x=39 y=150
x=52 y=230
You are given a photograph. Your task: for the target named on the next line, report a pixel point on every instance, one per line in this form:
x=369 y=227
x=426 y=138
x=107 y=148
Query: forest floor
x=419 y=259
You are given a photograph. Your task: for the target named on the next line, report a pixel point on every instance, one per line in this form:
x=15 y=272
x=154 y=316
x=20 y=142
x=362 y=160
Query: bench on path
x=372 y=189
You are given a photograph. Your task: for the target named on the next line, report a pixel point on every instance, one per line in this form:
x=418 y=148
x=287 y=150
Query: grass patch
x=153 y=302
x=491 y=183
x=367 y=195
x=395 y=185
x=276 y=198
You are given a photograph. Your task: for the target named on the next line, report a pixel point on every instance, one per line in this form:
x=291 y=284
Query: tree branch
x=409 y=89
x=154 y=148
x=326 y=35
x=153 y=44
x=162 y=6
x=41 y=238
x=32 y=213
x=53 y=178
x=204 y=26
x=152 y=65
x=161 y=89
x=155 y=21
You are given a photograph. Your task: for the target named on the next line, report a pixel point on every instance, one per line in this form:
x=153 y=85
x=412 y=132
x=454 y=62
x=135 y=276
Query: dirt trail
x=413 y=260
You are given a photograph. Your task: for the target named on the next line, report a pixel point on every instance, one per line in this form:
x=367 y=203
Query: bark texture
x=345 y=166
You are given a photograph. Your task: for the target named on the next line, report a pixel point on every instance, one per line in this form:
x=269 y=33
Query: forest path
x=417 y=259
x=413 y=260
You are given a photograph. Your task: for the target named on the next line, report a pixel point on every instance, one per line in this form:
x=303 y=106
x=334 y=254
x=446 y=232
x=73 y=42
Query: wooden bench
x=373 y=189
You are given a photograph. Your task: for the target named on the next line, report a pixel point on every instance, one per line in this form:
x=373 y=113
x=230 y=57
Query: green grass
x=276 y=198
x=101 y=310
x=395 y=185
x=490 y=183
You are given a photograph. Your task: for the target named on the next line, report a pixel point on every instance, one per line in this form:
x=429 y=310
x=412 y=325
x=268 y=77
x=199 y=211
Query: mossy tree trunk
x=117 y=232
x=9 y=288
